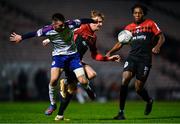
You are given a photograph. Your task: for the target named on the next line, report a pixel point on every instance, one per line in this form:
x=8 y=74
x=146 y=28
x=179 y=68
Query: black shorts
x=140 y=68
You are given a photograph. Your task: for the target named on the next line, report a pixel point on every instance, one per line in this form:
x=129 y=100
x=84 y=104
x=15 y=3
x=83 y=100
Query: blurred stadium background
x=24 y=68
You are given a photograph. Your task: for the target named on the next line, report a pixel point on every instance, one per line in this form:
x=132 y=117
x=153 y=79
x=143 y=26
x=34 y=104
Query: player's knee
x=138 y=86
x=82 y=79
x=127 y=76
x=92 y=75
x=53 y=81
x=125 y=81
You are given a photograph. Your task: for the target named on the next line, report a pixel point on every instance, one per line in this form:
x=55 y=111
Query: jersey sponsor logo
x=126 y=64
x=141 y=37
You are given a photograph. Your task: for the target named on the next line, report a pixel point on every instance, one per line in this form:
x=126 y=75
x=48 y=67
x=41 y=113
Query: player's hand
x=16 y=38
x=156 y=50
x=116 y=58
x=45 y=42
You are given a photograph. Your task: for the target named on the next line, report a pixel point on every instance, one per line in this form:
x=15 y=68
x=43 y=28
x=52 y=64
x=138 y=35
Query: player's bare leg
x=80 y=74
x=55 y=73
x=89 y=71
x=90 y=74
x=139 y=85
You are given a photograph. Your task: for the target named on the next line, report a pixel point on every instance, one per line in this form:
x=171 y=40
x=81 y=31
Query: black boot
x=148 y=108
x=120 y=116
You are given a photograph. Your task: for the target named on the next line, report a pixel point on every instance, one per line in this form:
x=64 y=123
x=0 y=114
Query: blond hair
x=95 y=13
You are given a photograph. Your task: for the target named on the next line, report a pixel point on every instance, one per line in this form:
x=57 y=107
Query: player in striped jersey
x=138 y=62
x=61 y=35
x=85 y=38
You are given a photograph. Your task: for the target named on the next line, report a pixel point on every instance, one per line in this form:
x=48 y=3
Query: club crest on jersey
x=137 y=30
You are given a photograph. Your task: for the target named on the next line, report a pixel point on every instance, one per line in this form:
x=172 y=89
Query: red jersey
x=85 y=38
x=143 y=38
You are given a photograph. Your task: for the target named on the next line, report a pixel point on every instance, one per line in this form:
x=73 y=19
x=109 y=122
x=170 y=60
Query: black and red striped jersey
x=85 y=38
x=143 y=38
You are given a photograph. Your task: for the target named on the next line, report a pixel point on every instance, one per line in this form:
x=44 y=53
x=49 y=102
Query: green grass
x=90 y=112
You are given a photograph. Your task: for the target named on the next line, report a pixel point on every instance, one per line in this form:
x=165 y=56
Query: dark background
x=24 y=67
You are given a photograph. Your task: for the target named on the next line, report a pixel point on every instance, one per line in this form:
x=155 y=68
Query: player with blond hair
x=61 y=35
x=85 y=38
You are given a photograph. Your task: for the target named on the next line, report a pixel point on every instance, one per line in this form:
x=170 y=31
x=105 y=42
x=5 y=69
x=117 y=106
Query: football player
x=60 y=33
x=138 y=62
x=85 y=38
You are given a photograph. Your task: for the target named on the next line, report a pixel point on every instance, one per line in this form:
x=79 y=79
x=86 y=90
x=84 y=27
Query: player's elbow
x=162 y=38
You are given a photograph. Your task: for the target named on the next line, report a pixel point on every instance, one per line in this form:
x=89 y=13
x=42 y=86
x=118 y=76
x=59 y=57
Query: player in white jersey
x=60 y=33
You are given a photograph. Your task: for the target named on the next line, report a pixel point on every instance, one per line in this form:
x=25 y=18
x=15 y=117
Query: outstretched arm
x=17 y=37
x=161 y=40
x=100 y=57
x=77 y=22
x=86 y=20
x=41 y=32
x=115 y=48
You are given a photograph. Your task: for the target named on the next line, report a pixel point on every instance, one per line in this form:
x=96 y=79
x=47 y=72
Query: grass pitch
x=90 y=112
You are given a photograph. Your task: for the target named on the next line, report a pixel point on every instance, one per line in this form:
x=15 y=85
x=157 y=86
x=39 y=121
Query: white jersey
x=63 y=42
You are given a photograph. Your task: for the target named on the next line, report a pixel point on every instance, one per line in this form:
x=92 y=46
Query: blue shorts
x=63 y=61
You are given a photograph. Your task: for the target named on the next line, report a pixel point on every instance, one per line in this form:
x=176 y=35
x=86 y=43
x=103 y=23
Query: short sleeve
x=156 y=30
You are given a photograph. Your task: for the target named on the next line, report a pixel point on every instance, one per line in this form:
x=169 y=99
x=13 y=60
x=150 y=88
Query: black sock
x=64 y=103
x=123 y=95
x=144 y=94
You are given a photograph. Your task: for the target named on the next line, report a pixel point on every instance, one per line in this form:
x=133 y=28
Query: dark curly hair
x=58 y=16
x=144 y=8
